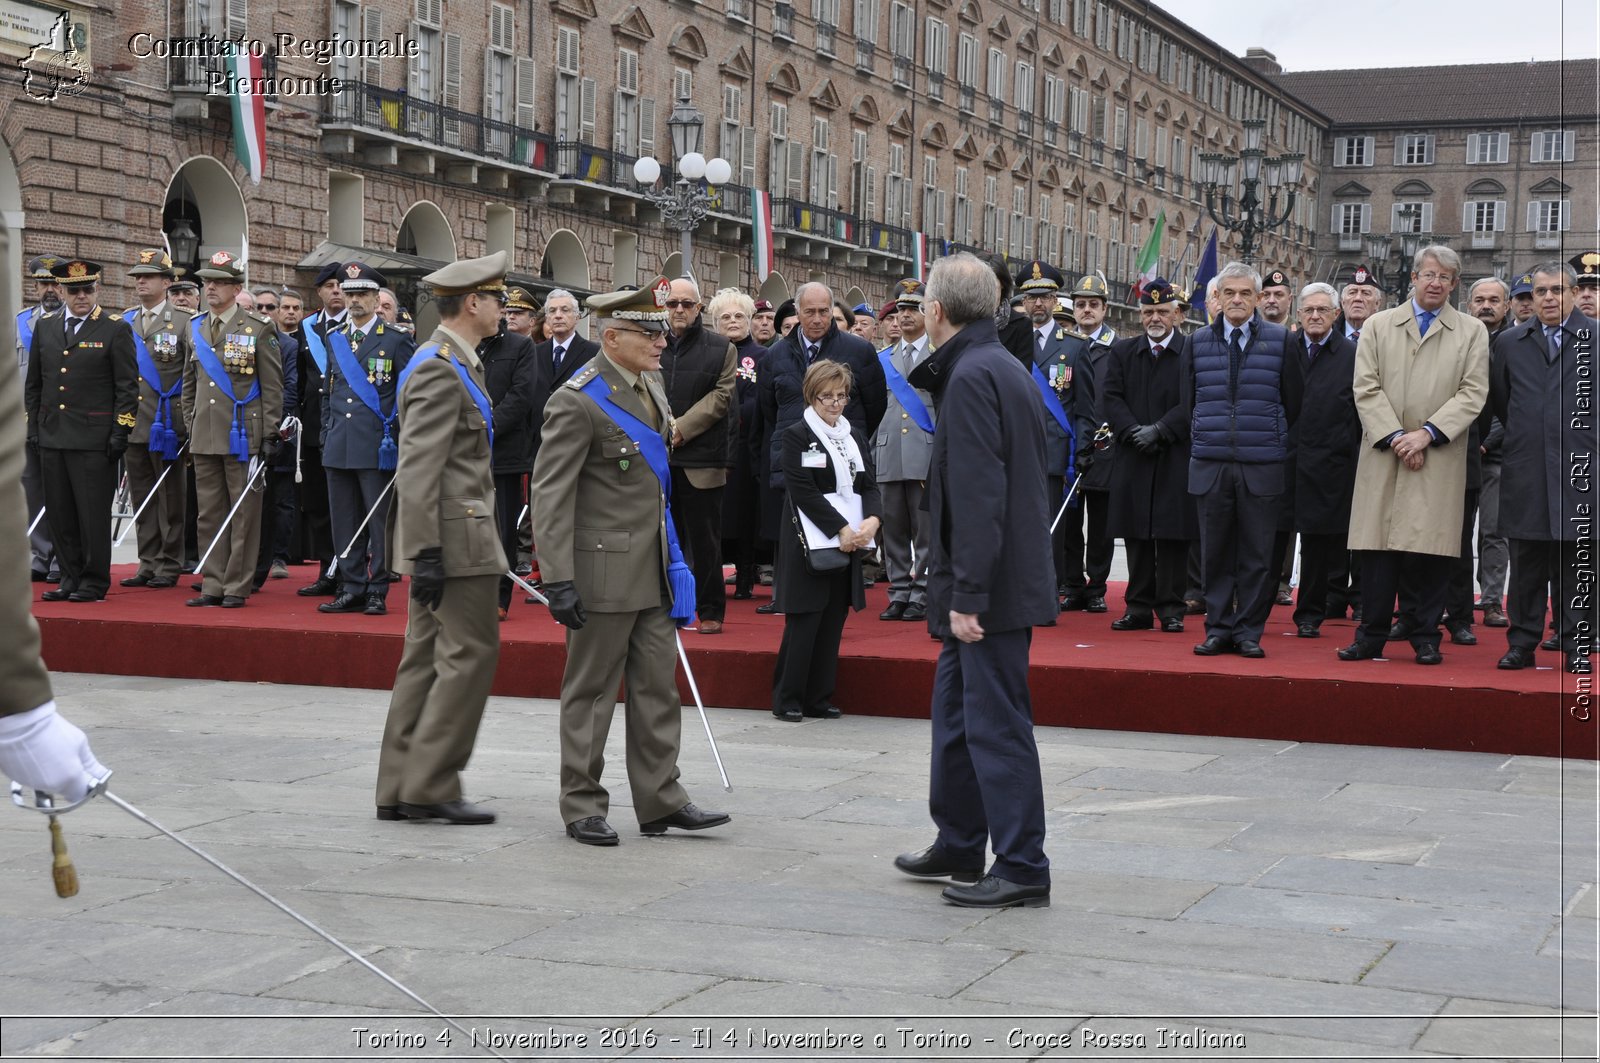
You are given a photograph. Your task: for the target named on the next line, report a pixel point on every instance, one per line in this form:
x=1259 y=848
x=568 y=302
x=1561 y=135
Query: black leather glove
x=116 y=446
x=427 y=577
x=565 y=605
x=1146 y=436
x=270 y=447
x=1083 y=463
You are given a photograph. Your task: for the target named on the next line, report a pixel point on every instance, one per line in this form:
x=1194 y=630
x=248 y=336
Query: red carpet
x=1084 y=674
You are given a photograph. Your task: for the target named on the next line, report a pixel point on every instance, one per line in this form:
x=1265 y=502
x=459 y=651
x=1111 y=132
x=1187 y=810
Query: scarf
x=842 y=450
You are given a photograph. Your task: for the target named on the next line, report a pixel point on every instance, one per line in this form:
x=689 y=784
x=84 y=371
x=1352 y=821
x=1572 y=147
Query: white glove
x=42 y=750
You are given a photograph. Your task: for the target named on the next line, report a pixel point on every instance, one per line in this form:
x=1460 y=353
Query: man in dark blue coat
x=989 y=523
x=1239 y=438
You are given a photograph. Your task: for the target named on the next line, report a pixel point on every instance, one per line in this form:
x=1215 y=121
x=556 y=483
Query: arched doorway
x=203 y=213
x=425 y=233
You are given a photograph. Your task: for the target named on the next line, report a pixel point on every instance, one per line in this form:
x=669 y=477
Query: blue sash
x=163 y=437
x=479 y=399
x=903 y=391
x=654 y=451
x=238 y=438
x=1052 y=403
x=319 y=353
x=25 y=329
x=367 y=392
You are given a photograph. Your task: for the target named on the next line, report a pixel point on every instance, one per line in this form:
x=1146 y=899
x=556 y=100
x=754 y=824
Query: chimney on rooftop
x=1262 y=61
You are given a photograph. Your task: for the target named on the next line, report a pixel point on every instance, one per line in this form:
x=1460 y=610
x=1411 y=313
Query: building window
x=1418 y=220
x=1551 y=145
x=1481 y=219
x=1413 y=149
x=866 y=33
x=902 y=42
x=961 y=229
x=937 y=57
x=826 y=13
x=967 y=72
x=997 y=85
x=1352 y=151
x=1548 y=219
x=1487 y=148
x=1022 y=88
x=739 y=10
x=1350 y=222
x=783 y=21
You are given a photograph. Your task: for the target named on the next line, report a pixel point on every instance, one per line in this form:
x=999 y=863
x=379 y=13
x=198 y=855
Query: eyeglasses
x=1429 y=277
x=266 y=306
x=1540 y=293
x=651 y=333
x=1318 y=310
x=681 y=304
x=833 y=400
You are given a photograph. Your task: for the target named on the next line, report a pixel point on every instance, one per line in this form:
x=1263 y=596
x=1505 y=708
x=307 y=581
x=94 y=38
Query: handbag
x=821 y=560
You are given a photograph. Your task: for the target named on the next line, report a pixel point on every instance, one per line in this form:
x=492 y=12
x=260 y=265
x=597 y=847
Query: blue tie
x=1553 y=337
x=1425 y=319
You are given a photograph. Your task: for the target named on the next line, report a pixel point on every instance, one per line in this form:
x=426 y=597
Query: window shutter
x=1473 y=141
x=747 y=154
x=871 y=211
x=567 y=42
x=527 y=90
x=372 y=30
x=1399 y=149
x=238 y=21
x=1367 y=157
x=1427 y=151
x=833 y=182
x=1566 y=211
x=1469 y=214
x=1500 y=215
x=794 y=171
x=1366 y=217
x=619 y=123
x=586 y=94
x=1533 y=208
x=1533 y=156
x=1338 y=217
x=1566 y=146
x=647 y=126
x=1427 y=215
x=451 y=96
x=1339 y=147
x=413 y=66
x=1502 y=146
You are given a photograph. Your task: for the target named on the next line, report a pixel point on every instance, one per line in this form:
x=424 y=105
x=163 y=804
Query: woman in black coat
x=822 y=455
x=730 y=312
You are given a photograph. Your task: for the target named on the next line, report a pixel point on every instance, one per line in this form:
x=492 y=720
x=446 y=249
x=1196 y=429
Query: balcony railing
x=1482 y=241
x=968 y=99
x=796 y=215
x=935 y=86
x=866 y=51
x=199 y=73
x=902 y=71
x=394 y=112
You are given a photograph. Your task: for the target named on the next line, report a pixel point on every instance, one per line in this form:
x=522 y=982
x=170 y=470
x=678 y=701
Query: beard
x=50 y=302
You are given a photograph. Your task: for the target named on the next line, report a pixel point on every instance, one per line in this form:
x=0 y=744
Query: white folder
x=848 y=506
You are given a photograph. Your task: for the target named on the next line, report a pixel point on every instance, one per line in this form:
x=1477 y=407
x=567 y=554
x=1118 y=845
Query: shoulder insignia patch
x=581 y=377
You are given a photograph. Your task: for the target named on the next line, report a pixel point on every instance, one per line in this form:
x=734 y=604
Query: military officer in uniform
x=442 y=532
x=161 y=341
x=359 y=439
x=612 y=569
x=184 y=293
x=316 y=523
x=902 y=448
x=1586 y=266
x=45 y=567
x=233 y=398
x=1094 y=547
x=81 y=394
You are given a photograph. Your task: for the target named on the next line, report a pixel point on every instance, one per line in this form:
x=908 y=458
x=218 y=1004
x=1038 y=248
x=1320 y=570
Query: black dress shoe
x=686 y=818
x=1172 y=625
x=203 y=600
x=932 y=863
x=376 y=606
x=916 y=612
x=1355 y=613
x=1309 y=631
x=86 y=596
x=742 y=594
x=788 y=715
x=992 y=892
x=827 y=712
x=233 y=601
x=1129 y=622
x=592 y=830
x=56 y=595
x=1194 y=607
x=160 y=583
x=457 y=811
x=895 y=611
x=1250 y=648
x=197 y=586
x=391 y=812
x=138 y=579
x=53 y=577
x=1578 y=664
x=323 y=588
x=344 y=603
x=1360 y=651
x=1516 y=659
x=1551 y=643
x=1213 y=645
x=1400 y=630
x=1462 y=635
x=768 y=609
x=1095 y=604
x=1071 y=603
x=1429 y=655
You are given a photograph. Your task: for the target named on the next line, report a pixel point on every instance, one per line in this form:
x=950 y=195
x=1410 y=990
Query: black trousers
x=352 y=494
x=1416 y=580
x=1458 y=589
x=508 y=501
x=985 y=788
x=277 y=522
x=316 y=530
x=78 y=488
x=1237 y=529
x=1539 y=568
x=1323 y=559
x=808 y=658
x=1086 y=546
x=1157 y=569
x=697 y=514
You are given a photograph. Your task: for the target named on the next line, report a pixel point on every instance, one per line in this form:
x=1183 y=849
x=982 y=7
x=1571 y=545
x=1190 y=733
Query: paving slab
x=1527 y=892
x=1466 y=972
x=1492 y=1027
x=1155 y=830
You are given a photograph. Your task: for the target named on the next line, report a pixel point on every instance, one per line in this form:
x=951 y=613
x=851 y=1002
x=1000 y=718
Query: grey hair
x=730 y=297
x=965 y=287
x=1242 y=271
x=1211 y=287
x=1319 y=288
x=1441 y=254
x=292 y=292
x=800 y=292
x=1553 y=269
x=562 y=293
x=1505 y=289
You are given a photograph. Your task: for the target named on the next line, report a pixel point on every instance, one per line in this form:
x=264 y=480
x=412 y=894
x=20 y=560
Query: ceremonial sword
x=134 y=521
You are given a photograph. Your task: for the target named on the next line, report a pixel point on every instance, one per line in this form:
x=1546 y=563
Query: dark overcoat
x=798 y=590
x=1149 y=491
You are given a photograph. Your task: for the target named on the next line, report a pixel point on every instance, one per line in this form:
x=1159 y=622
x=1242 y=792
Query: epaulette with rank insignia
x=582 y=377
x=95 y=316
x=264 y=321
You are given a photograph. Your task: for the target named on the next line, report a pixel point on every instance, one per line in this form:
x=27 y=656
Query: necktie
x=649 y=407
x=216 y=328
x=1424 y=319
x=811 y=353
x=72 y=329
x=1552 y=337
x=355 y=337
x=556 y=354
x=1311 y=350
x=1041 y=341
x=1237 y=341
x=1156 y=349
x=1355 y=334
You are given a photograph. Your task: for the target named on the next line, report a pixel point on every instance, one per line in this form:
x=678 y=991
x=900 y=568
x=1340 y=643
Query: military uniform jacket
x=1088 y=414
x=79 y=397
x=167 y=338
x=900 y=449
x=248 y=351
x=444 y=488
x=598 y=513
x=1059 y=360
x=351 y=432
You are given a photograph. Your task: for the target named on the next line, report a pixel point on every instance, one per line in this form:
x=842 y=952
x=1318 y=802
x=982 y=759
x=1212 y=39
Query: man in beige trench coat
x=1422 y=376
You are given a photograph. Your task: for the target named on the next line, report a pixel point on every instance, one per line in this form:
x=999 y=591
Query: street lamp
x=1250 y=217
x=684 y=205
x=1380 y=244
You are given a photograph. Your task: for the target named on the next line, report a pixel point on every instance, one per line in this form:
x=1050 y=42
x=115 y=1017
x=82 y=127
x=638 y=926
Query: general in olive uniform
x=233 y=397
x=601 y=520
x=360 y=439
x=161 y=341
x=442 y=532
x=81 y=394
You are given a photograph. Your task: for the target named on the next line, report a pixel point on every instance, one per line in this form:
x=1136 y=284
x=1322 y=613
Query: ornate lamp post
x=1380 y=244
x=1249 y=215
x=685 y=204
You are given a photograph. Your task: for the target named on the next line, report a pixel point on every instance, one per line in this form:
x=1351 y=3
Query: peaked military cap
x=519 y=299
x=74 y=271
x=1363 y=276
x=486 y=274
x=866 y=309
x=1523 y=285
x=910 y=294
x=1276 y=279
x=222 y=266
x=646 y=307
x=1159 y=293
x=1586 y=266
x=328 y=273
x=39 y=267
x=1092 y=286
x=1040 y=278
x=151 y=261
x=358 y=277
x=183 y=285
x=1064 y=311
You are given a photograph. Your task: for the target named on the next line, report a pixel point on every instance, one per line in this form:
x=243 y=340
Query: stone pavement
x=1213 y=898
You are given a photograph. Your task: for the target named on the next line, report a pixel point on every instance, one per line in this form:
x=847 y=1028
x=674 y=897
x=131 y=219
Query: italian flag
x=1148 y=255
x=919 y=256
x=761 y=230
x=249 y=113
